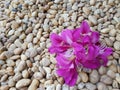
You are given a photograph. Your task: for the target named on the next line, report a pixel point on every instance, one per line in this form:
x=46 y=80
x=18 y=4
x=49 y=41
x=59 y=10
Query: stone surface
x=106 y=79
x=117 y=45
x=23 y=83
x=34 y=85
x=94 y=76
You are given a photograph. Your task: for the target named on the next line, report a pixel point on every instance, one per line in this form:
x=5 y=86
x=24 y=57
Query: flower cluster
x=75 y=48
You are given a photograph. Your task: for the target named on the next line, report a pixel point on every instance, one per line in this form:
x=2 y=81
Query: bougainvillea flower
x=76 y=48
x=67 y=68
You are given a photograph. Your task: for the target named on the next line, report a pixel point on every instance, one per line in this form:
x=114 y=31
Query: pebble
x=102 y=86
x=92 y=2
x=34 y=14
x=23 y=83
x=102 y=70
x=17 y=76
x=51 y=87
x=81 y=85
x=92 y=19
x=25 y=74
x=118 y=78
x=118 y=37
x=105 y=30
x=10 y=63
x=45 y=62
x=58 y=87
x=34 y=85
x=4 y=87
x=106 y=79
x=18 y=51
x=11 y=83
x=86 y=10
x=112 y=32
x=14 y=25
x=84 y=76
x=111 y=74
x=74 y=7
x=73 y=88
x=4 y=78
x=21 y=66
x=113 y=67
x=23 y=57
x=38 y=75
x=46 y=27
x=57 y=1
x=48 y=82
x=94 y=76
x=65 y=87
x=47 y=70
x=31 y=52
x=117 y=45
x=29 y=38
x=115 y=84
x=91 y=86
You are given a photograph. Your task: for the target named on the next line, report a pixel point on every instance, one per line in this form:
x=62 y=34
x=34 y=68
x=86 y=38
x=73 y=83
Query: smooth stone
x=91 y=86
x=23 y=83
x=92 y=19
x=102 y=70
x=117 y=45
x=58 y=87
x=25 y=74
x=45 y=62
x=51 y=87
x=29 y=38
x=34 y=85
x=84 y=76
x=94 y=76
x=18 y=51
x=106 y=79
x=118 y=37
x=21 y=66
x=105 y=30
x=112 y=32
x=111 y=73
x=81 y=85
x=102 y=86
x=65 y=87
x=38 y=75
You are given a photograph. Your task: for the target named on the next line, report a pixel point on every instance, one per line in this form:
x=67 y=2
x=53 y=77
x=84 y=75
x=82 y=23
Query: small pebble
x=106 y=79
x=23 y=83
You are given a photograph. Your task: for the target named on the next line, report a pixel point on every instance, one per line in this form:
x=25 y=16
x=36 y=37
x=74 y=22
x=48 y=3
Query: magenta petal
x=62 y=61
x=69 y=75
x=57 y=49
x=76 y=35
x=95 y=37
x=85 y=27
x=86 y=40
x=108 y=51
x=55 y=39
x=92 y=64
x=67 y=36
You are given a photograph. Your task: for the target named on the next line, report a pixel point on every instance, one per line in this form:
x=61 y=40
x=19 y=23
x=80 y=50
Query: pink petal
x=69 y=75
x=95 y=37
x=55 y=39
x=85 y=27
x=67 y=36
x=92 y=64
x=63 y=62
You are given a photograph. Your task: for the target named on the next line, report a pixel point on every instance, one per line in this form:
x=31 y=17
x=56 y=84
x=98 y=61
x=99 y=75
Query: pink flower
x=75 y=48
